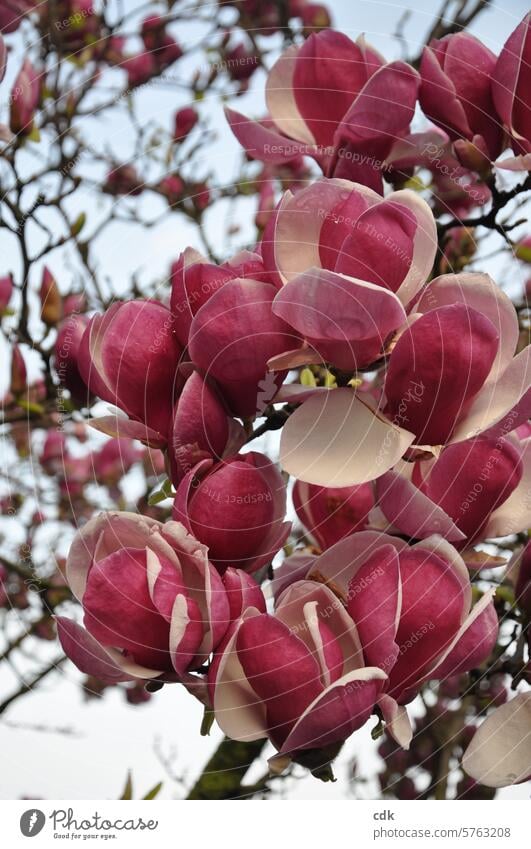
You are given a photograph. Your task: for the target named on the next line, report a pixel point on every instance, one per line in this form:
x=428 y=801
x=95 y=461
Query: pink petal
x=472 y=644
x=281 y=671
x=501 y=406
x=280 y=98
x=438 y=98
x=87 y=653
x=331 y=513
x=240 y=713
x=374 y=602
x=242 y=592
x=119 y=611
x=233 y=336
x=347 y=321
x=510 y=81
x=186 y=633
x=330 y=70
x=343 y=708
x=481 y=293
x=413 y=513
x=436 y=368
x=431 y=614
x=102 y=535
x=375 y=120
x=290 y=608
x=263 y=143
x=397 y=722
x=514 y=515
x=471 y=479
x=122 y=428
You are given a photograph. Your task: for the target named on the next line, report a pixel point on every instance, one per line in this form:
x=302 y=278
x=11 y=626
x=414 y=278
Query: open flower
x=371 y=622
x=474 y=489
x=236 y=508
x=451 y=376
x=349 y=265
x=330 y=99
x=153 y=605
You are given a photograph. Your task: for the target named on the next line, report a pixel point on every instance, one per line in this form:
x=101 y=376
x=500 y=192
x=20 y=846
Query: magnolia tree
x=375 y=565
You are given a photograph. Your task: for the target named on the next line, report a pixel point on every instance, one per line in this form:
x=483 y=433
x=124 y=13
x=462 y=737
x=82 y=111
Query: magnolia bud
x=51 y=301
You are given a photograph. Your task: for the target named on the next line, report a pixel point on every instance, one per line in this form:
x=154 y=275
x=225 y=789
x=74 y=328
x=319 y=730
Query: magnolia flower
x=372 y=620
x=474 y=489
x=455 y=91
x=510 y=92
x=451 y=376
x=24 y=99
x=201 y=428
x=232 y=338
x=129 y=357
x=236 y=508
x=330 y=98
x=349 y=266
x=184 y=122
x=153 y=605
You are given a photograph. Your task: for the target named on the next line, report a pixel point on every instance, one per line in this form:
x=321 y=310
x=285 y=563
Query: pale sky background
x=107 y=736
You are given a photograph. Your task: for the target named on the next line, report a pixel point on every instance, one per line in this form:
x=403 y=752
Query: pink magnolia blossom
x=236 y=508
x=153 y=605
x=195 y=280
x=123 y=180
x=349 y=265
x=139 y=68
x=511 y=94
x=330 y=99
x=455 y=91
x=372 y=620
x=474 y=489
x=185 y=121
x=451 y=376
x=201 y=428
x=233 y=336
x=331 y=513
x=129 y=357
x=173 y=189
x=25 y=97
x=54 y=451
